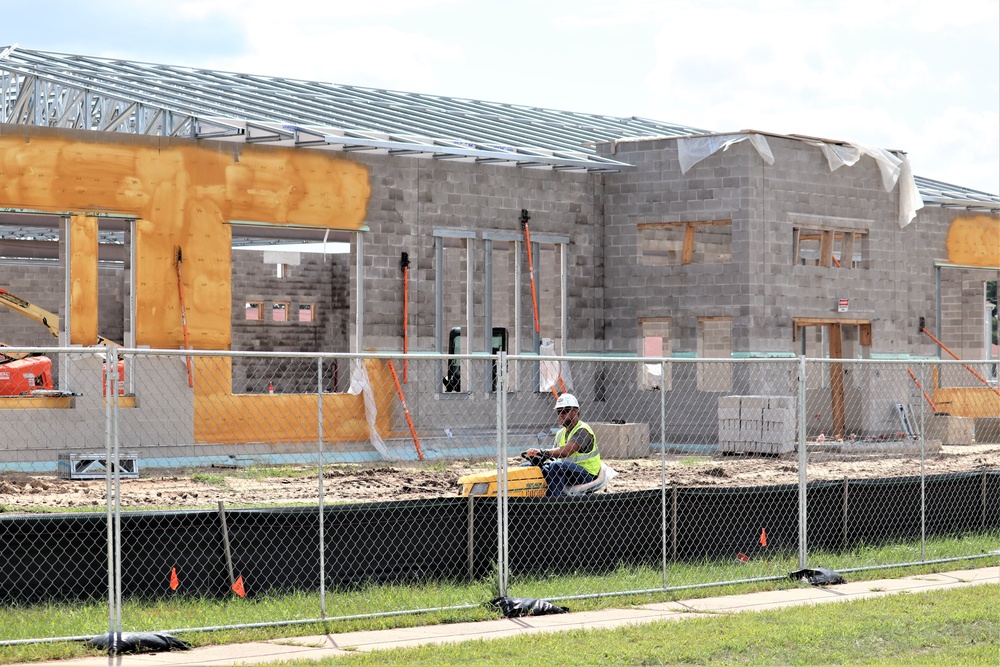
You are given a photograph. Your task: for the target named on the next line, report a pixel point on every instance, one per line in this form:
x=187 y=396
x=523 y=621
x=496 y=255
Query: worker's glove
x=539 y=459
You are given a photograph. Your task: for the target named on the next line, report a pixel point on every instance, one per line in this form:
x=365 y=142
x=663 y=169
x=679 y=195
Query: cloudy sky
x=918 y=75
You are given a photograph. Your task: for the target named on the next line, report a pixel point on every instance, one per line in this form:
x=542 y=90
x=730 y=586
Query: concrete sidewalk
x=321 y=646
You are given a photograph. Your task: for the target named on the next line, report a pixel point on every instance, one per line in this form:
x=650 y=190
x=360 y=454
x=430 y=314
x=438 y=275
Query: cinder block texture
x=622 y=441
x=950 y=430
x=987 y=429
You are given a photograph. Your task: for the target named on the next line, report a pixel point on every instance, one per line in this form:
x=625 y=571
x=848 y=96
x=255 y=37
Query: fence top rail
x=482 y=356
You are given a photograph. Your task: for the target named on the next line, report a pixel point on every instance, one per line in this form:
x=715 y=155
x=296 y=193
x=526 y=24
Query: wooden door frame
x=835 y=334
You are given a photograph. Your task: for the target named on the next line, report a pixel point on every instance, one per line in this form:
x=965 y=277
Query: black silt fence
x=64 y=557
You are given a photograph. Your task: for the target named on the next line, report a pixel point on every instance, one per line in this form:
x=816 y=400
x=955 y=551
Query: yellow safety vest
x=589 y=461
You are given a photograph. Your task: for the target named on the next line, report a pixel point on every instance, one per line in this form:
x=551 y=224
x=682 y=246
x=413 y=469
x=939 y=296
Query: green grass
x=67 y=620
x=213 y=479
x=691 y=461
x=957 y=627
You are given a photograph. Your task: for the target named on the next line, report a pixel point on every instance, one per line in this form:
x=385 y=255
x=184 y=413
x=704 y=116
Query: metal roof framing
x=83 y=92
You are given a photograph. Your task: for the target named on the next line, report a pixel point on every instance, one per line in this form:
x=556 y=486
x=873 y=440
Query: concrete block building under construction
x=648 y=239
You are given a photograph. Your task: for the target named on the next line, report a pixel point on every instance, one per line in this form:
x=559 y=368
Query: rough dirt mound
x=289 y=485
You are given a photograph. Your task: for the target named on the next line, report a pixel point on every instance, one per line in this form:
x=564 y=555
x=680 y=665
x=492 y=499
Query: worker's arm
x=568 y=449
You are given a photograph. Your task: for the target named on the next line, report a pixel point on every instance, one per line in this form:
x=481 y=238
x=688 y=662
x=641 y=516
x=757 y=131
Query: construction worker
x=575 y=450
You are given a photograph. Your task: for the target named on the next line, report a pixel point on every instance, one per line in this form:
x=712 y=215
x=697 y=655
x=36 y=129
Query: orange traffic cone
x=270 y=387
x=174 y=581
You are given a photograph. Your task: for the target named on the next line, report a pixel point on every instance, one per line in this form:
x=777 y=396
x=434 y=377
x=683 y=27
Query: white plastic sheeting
x=552 y=374
x=692 y=150
x=360 y=384
x=894 y=169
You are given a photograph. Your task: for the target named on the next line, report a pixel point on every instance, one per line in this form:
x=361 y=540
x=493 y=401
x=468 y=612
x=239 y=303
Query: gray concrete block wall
x=40 y=283
x=658 y=192
x=763 y=288
x=412 y=197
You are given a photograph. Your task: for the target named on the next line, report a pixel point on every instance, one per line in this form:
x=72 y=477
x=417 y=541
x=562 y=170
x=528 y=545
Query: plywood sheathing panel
x=223 y=417
x=181 y=193
x=974 y=241
x=83 y=280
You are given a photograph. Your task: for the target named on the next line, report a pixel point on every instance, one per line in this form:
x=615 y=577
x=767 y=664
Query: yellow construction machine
x=526 y=480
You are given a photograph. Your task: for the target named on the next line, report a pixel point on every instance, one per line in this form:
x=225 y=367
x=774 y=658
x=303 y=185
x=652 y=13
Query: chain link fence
x=274 y=488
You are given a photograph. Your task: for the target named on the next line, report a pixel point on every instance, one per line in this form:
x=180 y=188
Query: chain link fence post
x=503 y=556
x=803 y=462
x=663 y=482
x=322 y=505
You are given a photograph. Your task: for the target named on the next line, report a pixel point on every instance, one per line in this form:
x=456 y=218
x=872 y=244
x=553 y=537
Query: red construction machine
x=25 y=373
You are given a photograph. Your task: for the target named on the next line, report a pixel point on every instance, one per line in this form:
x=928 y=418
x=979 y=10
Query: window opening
x=453 y=276
x=715 y=342
x=676 y=243
x=279 y=312
x=501 y=308
x=453 y=378
x=306 y=312
x=253 y=311
x=654 y=341
x=824 y=247
x=550 y=267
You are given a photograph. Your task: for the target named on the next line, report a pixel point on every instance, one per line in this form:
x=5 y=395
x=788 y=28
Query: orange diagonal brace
x=928 y=398
x=531 y=268
x=406 y=411
x=967 y=367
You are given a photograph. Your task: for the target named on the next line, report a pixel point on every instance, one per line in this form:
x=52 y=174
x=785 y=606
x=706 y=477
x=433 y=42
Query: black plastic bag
x=515 y=607
x=819 y=576
x=140 y=642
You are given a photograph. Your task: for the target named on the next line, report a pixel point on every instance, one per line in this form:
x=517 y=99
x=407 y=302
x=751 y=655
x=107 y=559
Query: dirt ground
x=287 y=485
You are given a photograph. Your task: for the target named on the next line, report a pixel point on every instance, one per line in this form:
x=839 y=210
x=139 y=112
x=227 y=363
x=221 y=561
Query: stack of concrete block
x=987 y=430
x=951 y=430
x=756 y=424
x=622 y=441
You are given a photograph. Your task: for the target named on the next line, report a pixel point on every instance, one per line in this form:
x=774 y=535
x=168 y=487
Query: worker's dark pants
x=560 y=474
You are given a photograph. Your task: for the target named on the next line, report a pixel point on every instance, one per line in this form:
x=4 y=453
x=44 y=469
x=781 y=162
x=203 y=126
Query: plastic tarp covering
x=894 y=169
x=361 y=385
x=692 y=150
x=551 y=372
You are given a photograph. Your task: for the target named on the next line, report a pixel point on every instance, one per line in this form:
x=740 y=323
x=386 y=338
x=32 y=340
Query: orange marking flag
x=238 y=587
x=174 y=581
x=763 y=538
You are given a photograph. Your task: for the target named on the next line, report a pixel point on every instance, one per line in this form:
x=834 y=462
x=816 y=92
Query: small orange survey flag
x=238 y=587
x=763 y=537
x=174 y=581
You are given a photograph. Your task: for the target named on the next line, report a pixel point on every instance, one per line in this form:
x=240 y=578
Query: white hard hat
x=567 y=401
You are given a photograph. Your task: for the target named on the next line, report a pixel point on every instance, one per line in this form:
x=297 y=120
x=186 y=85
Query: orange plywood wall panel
x=280 y=419
x=83 y=280
x=974 y=241
x=182 y=192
